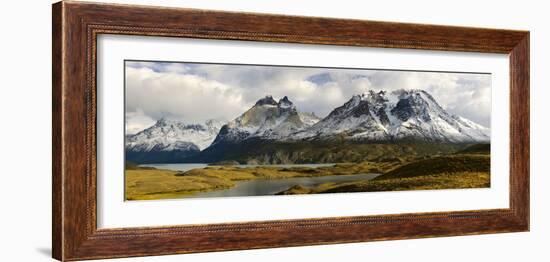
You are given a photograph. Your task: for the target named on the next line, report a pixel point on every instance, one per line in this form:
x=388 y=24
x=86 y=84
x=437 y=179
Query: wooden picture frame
x=76 y=26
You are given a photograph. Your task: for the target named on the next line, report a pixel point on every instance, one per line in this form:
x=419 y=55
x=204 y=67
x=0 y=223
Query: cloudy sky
x=195 y=92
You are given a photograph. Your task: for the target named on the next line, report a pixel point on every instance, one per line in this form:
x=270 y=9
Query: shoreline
x=439 y=172
x=212 y=178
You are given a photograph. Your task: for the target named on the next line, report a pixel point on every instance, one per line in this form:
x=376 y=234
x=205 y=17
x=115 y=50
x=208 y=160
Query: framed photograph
x=181 y=130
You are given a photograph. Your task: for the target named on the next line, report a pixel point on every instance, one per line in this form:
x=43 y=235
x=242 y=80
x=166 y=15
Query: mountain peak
x=401 y=114
x=267 y=100
x=403 y=93
x=284 y=102
x=161 y=121
x=164 y=121
x=171 y=134
x=375 y=97
x=267 y=119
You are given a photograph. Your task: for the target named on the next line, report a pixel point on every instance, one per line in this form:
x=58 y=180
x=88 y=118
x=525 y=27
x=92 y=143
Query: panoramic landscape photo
x=197 y=130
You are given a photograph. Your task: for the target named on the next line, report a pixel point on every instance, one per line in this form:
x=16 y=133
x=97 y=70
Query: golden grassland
x=466 y=170
x=429 y=182
x=147 y=183
x=441 y=172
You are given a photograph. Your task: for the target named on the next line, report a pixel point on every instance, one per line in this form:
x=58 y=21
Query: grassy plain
x=147 y=183
x=468 y=168
x=441 y=172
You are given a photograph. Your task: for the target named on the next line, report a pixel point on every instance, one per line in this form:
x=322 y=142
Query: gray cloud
x=197 y=92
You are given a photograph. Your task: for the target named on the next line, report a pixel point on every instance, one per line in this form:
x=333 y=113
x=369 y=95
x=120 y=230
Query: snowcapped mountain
x=267 y=119
x=262 y=133
x=401 y=114
x=309 y=119
x=372 y=116
x=172 y=135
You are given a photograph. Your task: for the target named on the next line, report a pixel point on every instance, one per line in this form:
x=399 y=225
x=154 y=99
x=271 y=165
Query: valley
x=469 y=168
x=367 y=127
x=376 y=141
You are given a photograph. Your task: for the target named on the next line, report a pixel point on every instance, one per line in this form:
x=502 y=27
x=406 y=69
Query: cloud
x=198 y=92
x=137 y=121
x=466 y=95
x=186 y=97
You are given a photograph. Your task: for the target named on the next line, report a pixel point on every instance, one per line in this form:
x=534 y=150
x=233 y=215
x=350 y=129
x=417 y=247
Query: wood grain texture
x=57 y=195
x=519 y=129
x=76 y=27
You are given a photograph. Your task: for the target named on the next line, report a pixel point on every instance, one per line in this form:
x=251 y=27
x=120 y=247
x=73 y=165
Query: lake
x=262 y=187
x=187 y=166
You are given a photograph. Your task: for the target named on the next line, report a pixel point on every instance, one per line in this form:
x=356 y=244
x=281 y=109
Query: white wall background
x=25 y=150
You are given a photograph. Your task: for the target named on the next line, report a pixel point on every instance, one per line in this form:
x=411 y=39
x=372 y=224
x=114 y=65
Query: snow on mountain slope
x=372 y=116
x=401 y=114
x=172 y=135
x=267 y=119
x=309 y=119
